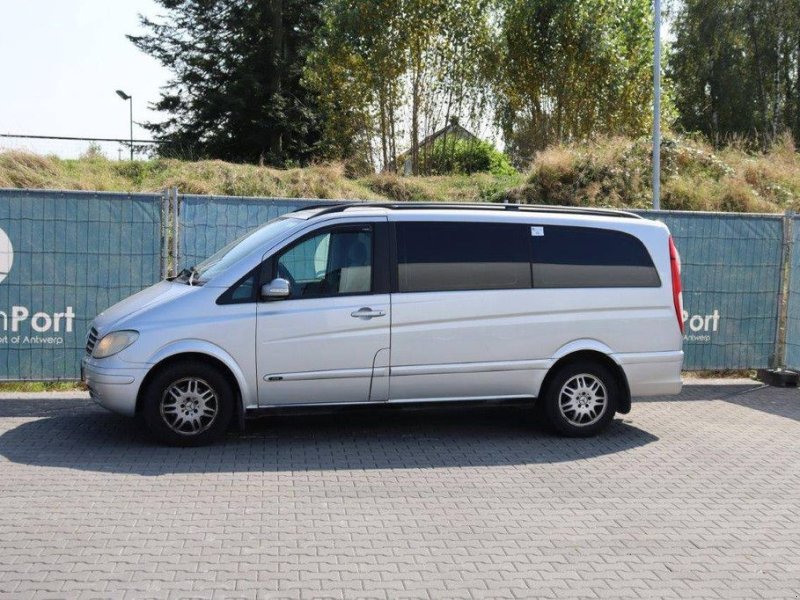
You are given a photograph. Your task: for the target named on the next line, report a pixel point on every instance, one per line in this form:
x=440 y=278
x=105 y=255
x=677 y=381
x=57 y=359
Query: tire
x=188 y=404
x=581 y=399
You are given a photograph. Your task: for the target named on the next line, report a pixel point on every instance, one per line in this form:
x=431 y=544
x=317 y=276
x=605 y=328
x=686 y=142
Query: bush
x=465 y=157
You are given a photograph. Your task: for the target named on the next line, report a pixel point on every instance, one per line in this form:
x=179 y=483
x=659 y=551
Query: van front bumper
x=112 y=387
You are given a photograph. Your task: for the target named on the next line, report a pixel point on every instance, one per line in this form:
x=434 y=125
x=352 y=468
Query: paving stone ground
x=696 y=496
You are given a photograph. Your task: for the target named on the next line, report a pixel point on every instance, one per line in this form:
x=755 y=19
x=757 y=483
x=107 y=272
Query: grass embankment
x=616 y=172
x=39 y=386
x=25 y=170
x=607 y=172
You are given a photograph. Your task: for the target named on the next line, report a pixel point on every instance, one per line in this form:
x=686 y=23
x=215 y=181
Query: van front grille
x=91 y=340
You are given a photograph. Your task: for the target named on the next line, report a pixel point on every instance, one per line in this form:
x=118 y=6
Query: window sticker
x=537 y=231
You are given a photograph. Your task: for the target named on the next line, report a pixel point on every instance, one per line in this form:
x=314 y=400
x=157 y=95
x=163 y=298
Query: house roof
x=451 y=128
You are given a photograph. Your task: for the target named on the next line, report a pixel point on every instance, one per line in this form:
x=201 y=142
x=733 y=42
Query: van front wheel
x=188 y=404
x=581 y=399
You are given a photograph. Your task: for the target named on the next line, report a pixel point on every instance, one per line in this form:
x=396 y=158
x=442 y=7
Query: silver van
x=575 y=310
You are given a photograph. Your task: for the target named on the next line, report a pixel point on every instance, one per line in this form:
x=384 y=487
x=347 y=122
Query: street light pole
x=657 y=108
x=125 y=96
x=130 y=106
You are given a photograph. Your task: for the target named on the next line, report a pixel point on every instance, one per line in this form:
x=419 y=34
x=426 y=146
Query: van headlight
x=113 y=343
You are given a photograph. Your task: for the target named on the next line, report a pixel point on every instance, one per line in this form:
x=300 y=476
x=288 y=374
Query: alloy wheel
x=189 y=406
x=583 y=399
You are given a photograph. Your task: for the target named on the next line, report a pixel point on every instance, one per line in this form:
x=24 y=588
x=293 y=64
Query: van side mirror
x=277 y=289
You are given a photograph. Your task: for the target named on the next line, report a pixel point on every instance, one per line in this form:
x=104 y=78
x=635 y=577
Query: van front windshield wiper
x=190 y=276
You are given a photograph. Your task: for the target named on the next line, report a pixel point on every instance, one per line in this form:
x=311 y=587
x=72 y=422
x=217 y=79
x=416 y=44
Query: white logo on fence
x=6 y=255
x=40 y=322
x=699 y=328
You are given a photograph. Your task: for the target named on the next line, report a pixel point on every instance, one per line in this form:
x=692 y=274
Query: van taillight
x=677 y=291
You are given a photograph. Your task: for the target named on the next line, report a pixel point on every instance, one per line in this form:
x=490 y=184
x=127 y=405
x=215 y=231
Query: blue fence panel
x=732 y=267
x=793 y=307
x=65 y=257
x=208 y=223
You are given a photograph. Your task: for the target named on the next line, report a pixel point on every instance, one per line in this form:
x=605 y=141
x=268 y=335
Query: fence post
x=779 y=355
x=165 y=233
x=175 y=230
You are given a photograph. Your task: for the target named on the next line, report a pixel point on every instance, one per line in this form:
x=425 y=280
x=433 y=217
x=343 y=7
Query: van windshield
x=238 y=249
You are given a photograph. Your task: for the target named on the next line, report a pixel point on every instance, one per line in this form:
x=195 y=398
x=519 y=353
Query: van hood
x=132 y=305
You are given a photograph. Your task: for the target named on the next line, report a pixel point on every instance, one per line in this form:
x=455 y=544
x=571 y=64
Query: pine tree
x=236 y=91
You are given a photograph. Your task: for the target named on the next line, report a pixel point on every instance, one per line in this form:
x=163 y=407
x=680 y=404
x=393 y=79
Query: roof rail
x=323 y=204
x=325 y=209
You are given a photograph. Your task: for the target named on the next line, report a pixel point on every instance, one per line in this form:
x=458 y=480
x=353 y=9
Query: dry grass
x=93 y=172
x=606 y=172
x=218 y=177
x=25 y=170
x=40 y=386
x=616 y=172
x=479 y=187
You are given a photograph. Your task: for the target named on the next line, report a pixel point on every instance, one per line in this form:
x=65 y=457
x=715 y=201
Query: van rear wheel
x=188 y=404
x=581 y=399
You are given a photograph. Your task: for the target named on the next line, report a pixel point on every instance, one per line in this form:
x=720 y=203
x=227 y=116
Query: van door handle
x=367 y=313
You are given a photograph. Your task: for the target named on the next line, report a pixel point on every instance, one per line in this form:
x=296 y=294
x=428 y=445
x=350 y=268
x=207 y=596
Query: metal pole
x=175 y=230
x=130 y=101
x=165 y=199
x=779 y=355
x=657 y=108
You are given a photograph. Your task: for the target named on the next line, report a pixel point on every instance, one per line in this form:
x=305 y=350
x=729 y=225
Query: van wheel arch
x=197 y=357
x=624 y=404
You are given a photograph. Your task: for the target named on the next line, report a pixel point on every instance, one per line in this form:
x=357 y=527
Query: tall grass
x=616 y=172
x=605 y=172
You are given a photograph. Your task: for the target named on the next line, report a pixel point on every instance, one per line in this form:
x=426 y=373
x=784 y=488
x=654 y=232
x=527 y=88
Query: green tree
x=392 y=72
x=236 y=91
x=572 y=69
x=735 y=68
x=356 y=69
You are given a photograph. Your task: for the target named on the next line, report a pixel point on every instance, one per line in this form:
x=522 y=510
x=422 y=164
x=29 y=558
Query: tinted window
x=242 y=291
x=329 y=264
x=580 y=257
x=438 y=256
x=246 y=290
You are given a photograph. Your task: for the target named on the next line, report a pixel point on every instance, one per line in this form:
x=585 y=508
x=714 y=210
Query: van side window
x=443 y=256
x=333 y=263
x=241 y=292
x=586 y=257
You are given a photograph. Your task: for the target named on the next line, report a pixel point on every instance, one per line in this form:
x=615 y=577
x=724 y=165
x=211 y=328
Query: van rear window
x=447 y=256
x=586 y=257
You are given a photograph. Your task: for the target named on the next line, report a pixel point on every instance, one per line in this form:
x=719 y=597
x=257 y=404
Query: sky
x=62 y=61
